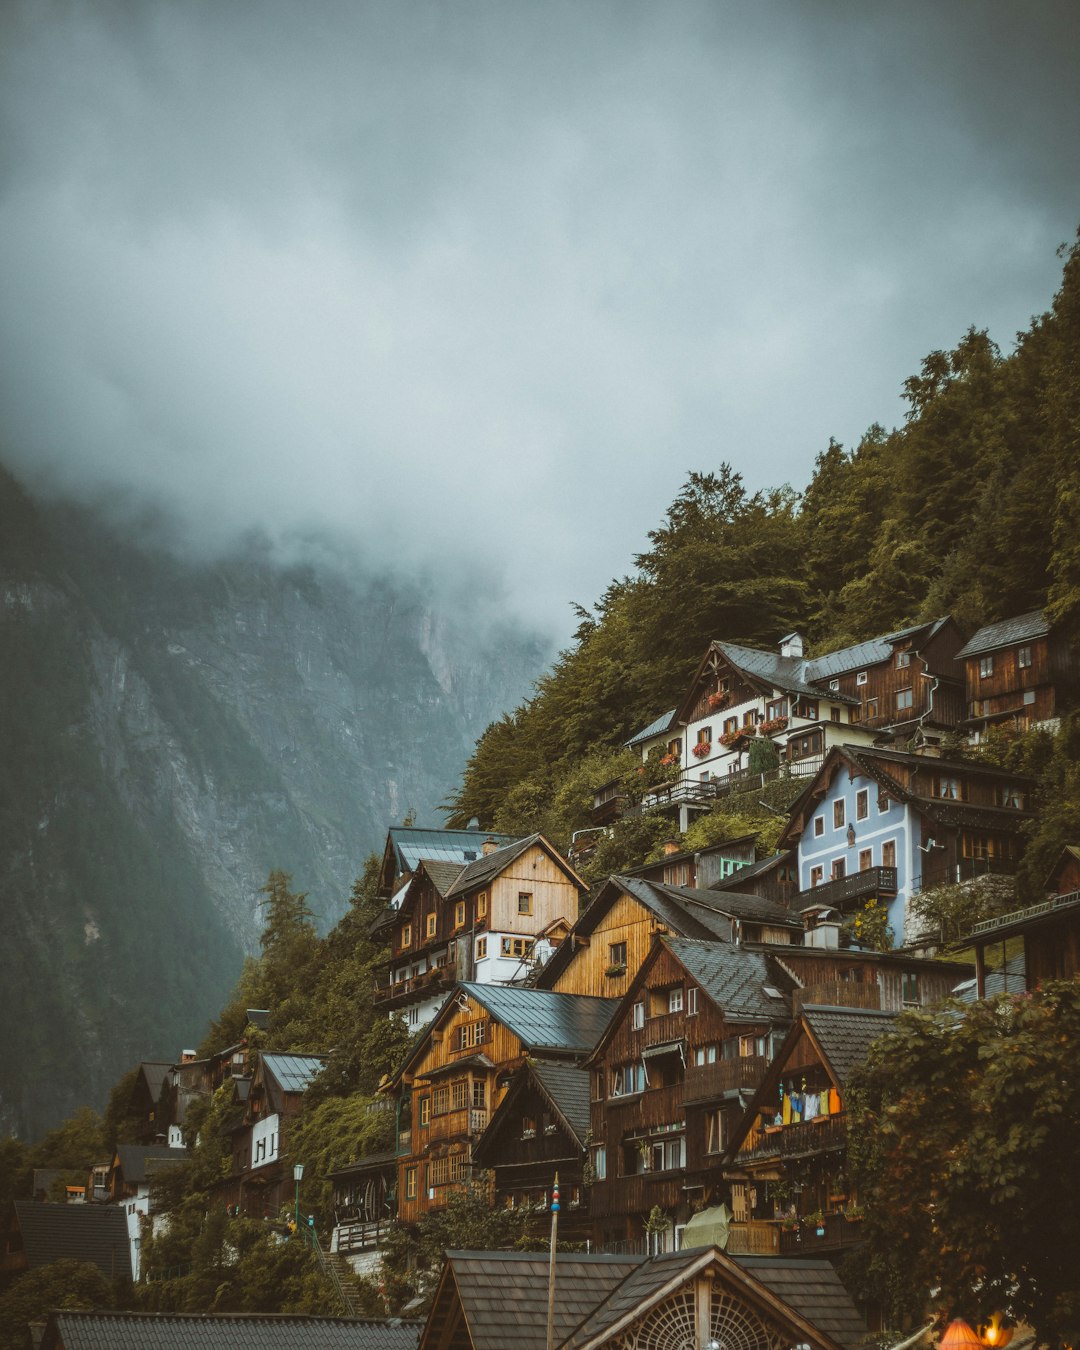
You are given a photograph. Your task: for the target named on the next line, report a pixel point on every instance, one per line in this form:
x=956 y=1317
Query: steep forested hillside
x=971 y=508
x=169 y=733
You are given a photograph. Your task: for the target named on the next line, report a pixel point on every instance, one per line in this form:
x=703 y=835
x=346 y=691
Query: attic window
x=861 y=677
x=772 y=991
x=834 y=685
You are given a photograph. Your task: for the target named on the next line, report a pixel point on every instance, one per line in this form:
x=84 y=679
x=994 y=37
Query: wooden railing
x=754 y=1237
x=705 y=1081
x=836 y=994
x=872 y=881
x=833 y=1233
x=662 y=1030
x=361 y=1237
x=428 y=981
x=810 y=1136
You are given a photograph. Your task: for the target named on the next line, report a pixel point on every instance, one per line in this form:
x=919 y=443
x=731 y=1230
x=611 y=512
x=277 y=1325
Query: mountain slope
x=171 y=732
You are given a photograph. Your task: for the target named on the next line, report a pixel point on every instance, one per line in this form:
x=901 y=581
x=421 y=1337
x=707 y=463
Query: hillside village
x=676 y=1044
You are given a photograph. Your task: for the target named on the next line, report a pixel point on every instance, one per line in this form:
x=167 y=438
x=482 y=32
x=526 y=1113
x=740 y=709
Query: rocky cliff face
x=169 y=734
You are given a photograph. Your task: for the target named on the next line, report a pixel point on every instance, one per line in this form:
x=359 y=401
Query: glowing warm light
x=959 y=1336
x=994 y=1335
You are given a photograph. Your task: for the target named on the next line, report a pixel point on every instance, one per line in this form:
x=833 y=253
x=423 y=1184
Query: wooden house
x=609 y=943
x=540 y=1130
x=698 y=1297
x=786 y=1158
x=486 y=921
x=1049 y=933
x=143 y=1103
x=459 y=1070
x=877 y=825
x=1018 y=673
x=775 y=878
x=261 y=1180
x=855 y=977
x=739 y=698
x=364 y=1201
x=702 y=868
x=690 y=1041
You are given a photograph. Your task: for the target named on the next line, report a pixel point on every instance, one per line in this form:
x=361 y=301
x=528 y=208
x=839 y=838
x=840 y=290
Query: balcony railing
x=361 y=1237
x=707 y=1081
x=417 y=986
x=1033 y=911
x=831 y=1234
x=837 y=994
x=795 y=1141
x=871 y=881
x=754 y=1237
x=664 y=1029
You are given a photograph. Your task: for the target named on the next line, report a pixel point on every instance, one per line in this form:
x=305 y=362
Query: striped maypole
x=551 y=1265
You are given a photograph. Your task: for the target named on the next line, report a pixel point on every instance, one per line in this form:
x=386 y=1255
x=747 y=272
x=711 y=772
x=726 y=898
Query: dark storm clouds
x=480 y=282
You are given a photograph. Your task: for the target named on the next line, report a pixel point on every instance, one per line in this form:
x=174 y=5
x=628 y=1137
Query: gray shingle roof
x=154 y=1071
x=812 y=1288
x=96 y=1234
x=1020 y=628
x=239 y=1331
x=782 y=672
x=139 y=1161
x=846 y=1034
x=862 y=654
x=567 y=1088
x=687 y=911
x=733 y=977
x=486 y=869
x=756 y=908
x=504 y=1294
x=744 y=874
x=442 y=874
x=542 y=1019
x=662 y=723
x=293 y=1073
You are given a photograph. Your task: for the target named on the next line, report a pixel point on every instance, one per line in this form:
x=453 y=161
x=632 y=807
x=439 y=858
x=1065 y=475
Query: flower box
x=703 y=749
x=717 y=701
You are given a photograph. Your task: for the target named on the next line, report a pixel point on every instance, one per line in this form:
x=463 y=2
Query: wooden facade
x=1017 y=673
x=916 y=680
x=605 y=959
x=666 y=1084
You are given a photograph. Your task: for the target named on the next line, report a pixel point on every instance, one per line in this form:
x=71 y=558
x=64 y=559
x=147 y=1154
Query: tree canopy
x=962 y=1140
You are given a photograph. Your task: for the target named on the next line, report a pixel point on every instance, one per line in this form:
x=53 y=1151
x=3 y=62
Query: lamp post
x=298 y=1176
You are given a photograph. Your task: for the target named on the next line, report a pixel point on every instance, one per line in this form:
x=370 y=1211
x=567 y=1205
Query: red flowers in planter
x=702 y=749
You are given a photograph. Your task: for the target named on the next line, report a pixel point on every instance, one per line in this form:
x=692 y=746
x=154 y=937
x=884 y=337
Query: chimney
x=792 y=645
x=671 y=846
x=187 y=1056
x=488 y=846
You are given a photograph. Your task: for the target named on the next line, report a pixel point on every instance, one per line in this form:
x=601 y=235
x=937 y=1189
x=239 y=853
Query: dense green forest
x=970 y=508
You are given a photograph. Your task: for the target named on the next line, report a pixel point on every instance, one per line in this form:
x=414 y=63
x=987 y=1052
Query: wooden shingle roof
x=237 y=1331
x=96 y=1234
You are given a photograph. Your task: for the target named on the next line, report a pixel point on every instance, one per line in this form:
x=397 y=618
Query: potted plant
x=703 y=749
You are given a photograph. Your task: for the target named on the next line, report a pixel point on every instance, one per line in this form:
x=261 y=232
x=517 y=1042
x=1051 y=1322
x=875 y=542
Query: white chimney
x=792 y=645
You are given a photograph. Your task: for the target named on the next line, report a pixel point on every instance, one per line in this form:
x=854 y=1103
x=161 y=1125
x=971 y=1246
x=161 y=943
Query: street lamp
x=298 y=1176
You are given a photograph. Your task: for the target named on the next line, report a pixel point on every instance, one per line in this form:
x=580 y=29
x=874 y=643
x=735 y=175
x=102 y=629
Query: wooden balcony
x=706 y=1082
x=465 y=1123
x=667 y=1029
x=833 y=1234
x=836 y=994
x=361 y=1237
x=754 y=1237
x=825 y=1134
x=636 y=1194
x=838 y=894
x=424 y=985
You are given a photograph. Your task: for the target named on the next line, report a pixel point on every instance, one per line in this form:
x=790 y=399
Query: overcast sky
x=479 y=283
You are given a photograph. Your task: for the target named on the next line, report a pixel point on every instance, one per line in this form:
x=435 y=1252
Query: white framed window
x=834 y=686
x=1023 y=658
x=861 y=677
x=986 y=666
x=866 y=859
x=883 y=803
x=675 y=999
x=904 y=700
x=639 y=1016
x=817 y=875
x=903 y=659
x=888 y=853
x=691 y=1002
x=599 y=1162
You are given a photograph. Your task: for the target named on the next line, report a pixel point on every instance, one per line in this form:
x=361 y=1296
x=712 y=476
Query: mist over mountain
x=173 y=730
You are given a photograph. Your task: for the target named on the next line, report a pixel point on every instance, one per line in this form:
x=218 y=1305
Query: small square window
x=903 y=659
x=834 y=685
x=861 y=677
x=525 y=902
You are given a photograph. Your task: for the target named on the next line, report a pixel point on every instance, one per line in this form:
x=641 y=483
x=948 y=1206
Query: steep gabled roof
x=235 y=1331
x=734 y=978
x=153 y=1072
x=443 y=874
x=543 y=1020
x=563 y=1087
x=486 y=869
x=407 y=844
x=869 y=653
x=96 y=1234
x=844 y=1035
x=1020 y=628
x=755 y=908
